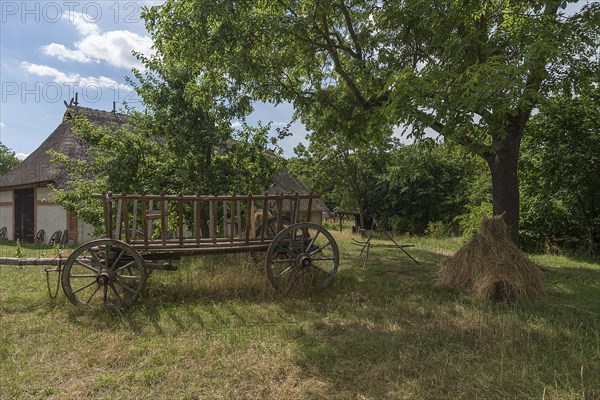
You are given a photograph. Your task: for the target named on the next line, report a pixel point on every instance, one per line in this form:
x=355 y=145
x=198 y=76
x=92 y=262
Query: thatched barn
x=26 y=200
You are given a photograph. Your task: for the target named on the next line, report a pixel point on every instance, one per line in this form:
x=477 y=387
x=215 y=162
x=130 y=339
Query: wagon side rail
x=171 y=223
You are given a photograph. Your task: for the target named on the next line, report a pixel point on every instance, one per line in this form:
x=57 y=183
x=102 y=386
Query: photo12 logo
x=53 y=11
x=52 y=92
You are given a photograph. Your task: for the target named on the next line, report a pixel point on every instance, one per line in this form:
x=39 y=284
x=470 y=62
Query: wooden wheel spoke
x=85 y=287
x=92 y=295
x=88 y=266
x=105 y=293
x=132 y=277
x=117 y=259
x=84 y=275
x=114 y=290
x=126 y=287
x=318 y=249
x=320 y=269
x=129 y=264
x=323 y=259
x=95 y=257
x=313 y=241
x=287 y=260
x=106 y=256
x=285 y=271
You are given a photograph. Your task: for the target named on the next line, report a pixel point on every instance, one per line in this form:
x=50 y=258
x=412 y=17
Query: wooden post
x=232 y=219
x=197 y=220
x=180 y=222
x=309 y=210
x=265 y=217
x=145 y=228
x=134 y=222
x=249 y=218
x=119 y=218
x=108 y=215
x=125 y=217
x=225 y=225
x=164 y=221
x=213 y=220
x=279 y=215
x=238 y=207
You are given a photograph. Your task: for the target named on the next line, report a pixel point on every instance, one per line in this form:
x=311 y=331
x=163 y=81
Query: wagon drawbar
x=148 y=232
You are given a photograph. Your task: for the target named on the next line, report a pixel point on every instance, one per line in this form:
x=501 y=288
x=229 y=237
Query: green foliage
x=8 y=159
x=429 y=182
x=559 y=174
x=474 y=71
x=470 y=221
x=345 y=175
x=182 y=144
x=19 y=253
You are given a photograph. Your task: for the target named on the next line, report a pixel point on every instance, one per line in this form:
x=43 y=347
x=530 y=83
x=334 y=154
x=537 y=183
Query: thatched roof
x=38 y=170
x=285 y=183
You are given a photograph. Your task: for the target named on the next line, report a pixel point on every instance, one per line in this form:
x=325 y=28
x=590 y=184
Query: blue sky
x=51 y=49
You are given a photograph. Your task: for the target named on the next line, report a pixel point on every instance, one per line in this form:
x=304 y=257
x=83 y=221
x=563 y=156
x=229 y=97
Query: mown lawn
x=215 y=330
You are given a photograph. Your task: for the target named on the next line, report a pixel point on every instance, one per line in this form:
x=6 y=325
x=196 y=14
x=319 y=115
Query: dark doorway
x=24 y=215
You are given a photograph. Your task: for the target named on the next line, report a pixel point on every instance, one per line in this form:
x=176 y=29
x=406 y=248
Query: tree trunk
x=503 y=164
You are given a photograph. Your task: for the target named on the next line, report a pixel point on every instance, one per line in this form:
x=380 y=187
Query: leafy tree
x=8 y=159
x=339 y=163
x=430 y=182
x=183 y=143
x=560 y=173
x=472 y=70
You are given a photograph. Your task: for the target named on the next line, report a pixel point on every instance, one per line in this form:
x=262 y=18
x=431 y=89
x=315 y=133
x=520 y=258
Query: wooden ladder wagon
x=147 y=232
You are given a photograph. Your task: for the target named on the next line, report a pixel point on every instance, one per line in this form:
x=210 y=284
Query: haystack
x=492 y=267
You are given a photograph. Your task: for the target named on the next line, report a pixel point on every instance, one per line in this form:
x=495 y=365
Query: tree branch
x=351 y=30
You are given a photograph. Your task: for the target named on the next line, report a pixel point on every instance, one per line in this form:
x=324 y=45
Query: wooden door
x=24 y=213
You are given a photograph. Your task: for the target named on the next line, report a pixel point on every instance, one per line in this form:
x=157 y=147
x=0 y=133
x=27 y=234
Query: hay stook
x=492 y=267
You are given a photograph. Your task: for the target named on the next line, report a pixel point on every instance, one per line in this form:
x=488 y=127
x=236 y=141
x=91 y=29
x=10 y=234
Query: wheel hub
x=304 y=261
x=103 y=278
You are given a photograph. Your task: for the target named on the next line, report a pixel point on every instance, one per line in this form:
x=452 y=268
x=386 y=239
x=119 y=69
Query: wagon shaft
x=31 y=261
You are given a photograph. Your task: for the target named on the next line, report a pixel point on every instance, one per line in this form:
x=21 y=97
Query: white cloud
x=236 y=125
x=72 y=79
x=21 y=156
x=2 y=124
x=112 y=47
x=83 y=23
x=279 y=123
x=62 y=53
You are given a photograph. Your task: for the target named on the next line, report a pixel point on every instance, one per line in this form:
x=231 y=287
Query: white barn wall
x=50 y=217
x=6 y=212
x=84 y=232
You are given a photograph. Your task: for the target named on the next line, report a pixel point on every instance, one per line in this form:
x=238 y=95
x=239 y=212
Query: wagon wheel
x=303 y=256
x=3 y=233
x=40 y=236
x=271 y=230
x=55 y=238
x=104 y=272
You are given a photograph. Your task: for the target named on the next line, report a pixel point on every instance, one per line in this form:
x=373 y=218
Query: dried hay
x=492 y=267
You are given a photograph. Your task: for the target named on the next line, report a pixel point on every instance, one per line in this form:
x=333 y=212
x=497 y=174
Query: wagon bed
x=148 y=232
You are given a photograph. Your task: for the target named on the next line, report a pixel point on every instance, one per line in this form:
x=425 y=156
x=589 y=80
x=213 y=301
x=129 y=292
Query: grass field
x=214 y=329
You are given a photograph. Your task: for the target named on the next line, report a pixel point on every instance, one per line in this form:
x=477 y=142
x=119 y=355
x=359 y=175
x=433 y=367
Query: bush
x=470 y=222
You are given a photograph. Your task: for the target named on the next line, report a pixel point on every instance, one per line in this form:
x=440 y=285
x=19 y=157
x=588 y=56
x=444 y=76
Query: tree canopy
x=472 y=70
x=8 y=159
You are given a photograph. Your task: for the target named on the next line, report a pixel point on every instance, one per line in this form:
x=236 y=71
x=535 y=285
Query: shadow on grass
x=400 y=335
